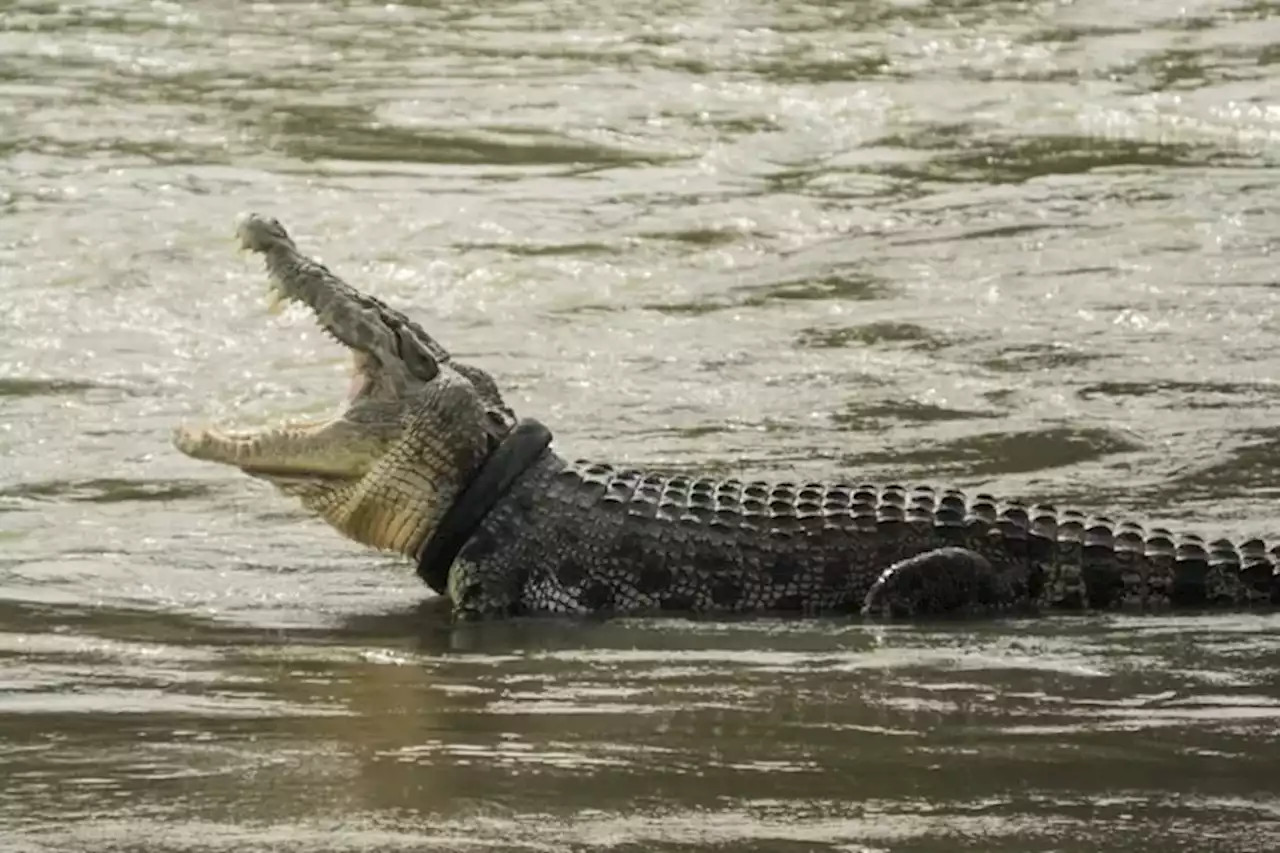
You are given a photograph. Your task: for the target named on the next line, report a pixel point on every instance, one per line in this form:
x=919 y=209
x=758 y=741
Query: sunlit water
x=1022 y=247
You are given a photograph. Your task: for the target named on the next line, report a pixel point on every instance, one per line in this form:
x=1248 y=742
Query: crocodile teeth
x=276 y=302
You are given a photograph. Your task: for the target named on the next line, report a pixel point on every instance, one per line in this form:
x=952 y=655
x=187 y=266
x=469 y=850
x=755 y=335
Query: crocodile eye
x=496 y=428
x=415 y=356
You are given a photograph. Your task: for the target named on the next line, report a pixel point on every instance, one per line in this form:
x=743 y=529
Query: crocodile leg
x=943 y=581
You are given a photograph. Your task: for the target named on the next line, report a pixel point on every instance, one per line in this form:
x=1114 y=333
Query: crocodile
x=427 y=460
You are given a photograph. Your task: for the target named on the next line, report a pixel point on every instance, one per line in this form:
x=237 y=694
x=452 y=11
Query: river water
x=1022 y=247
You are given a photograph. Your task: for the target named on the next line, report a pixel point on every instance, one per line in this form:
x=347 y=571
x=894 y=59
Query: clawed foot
x=941 y=582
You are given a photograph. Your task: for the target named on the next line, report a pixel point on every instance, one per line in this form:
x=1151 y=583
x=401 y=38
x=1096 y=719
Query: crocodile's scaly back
x=590 y=538
x=1075 y=560
x=412 y=463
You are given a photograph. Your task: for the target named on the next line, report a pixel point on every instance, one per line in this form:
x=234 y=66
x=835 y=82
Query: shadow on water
x=874 y=415
x=971 y=156
x=104 y=490
x=910 y=335
x=1251 y=466
x=13 y=386
x=347 y=133
x=982 y=456
x=852 y=283
x=1033 y=357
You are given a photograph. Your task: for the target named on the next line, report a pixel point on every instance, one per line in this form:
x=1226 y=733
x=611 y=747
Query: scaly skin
x=587 y=538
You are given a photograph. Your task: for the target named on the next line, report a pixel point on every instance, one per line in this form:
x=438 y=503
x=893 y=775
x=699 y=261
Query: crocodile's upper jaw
x=415 y=427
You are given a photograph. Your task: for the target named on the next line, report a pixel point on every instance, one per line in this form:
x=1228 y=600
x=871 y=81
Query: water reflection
x=819 y=732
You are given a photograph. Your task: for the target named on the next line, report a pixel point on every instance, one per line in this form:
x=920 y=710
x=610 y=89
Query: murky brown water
x=1018 y=246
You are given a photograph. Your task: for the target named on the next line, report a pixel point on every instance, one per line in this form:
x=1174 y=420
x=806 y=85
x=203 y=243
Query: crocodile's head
x=415 y=427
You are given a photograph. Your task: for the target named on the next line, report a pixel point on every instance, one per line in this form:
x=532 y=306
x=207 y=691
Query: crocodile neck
x=514 y=455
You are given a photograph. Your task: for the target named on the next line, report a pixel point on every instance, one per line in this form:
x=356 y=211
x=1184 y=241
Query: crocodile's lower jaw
x=251 y=450
x=296 y=449
x=332 y=480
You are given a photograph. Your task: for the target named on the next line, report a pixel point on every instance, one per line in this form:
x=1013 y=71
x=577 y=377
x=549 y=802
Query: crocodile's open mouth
x=359 y=379
x=413 y=427
x=346 y=444
x=293 y=450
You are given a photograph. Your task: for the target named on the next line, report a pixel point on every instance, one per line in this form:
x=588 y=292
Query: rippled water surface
x=1017 y=246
